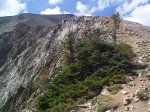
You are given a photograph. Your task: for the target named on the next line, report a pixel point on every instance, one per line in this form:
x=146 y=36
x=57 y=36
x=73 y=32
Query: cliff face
x=24 y=48
x=30 y=51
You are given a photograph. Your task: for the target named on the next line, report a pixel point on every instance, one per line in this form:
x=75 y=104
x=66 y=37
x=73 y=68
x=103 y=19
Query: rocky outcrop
x=23 y=51
x=30 y=47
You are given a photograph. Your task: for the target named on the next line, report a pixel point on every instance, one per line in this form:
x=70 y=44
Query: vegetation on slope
x=96 y=64
x=114 y=89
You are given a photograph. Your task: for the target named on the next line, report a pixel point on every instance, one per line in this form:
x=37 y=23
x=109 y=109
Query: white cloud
x=95 y=5
x=136 y=11
x=140 y=14
x=54 y=2
x=81 y=8
x=102 y=4
x=55 y=10
x=11 y=7
x=127 y=7
x=84 y=9
x=48 y=11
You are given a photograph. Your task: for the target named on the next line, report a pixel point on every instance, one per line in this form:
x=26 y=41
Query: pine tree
x=116 y=24
x=69 y=48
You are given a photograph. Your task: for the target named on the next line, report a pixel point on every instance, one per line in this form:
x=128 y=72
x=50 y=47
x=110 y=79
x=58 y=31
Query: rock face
x=28 y=42
x=24 y=49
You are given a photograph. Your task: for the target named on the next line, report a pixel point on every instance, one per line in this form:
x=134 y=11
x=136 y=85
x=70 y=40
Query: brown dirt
x=140 y=106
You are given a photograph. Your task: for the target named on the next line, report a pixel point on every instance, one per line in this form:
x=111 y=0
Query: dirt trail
x=138 y=106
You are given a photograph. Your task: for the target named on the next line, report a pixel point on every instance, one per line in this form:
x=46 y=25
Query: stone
x=105 y=91
x=148 y=103
x=132 y=108
x=131 y=83
x=127 y=101
x=142 y=88
x=140 y=61
x=135 y=99
x=143 y=82
x=143 y=79
x=131 y=77
x=136 y=91
x=26 y=110
x=140 y=75
x=124 y=92
x=127 y=108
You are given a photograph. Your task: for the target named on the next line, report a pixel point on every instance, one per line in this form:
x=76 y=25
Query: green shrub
x=97 y=63
x=142 y=95
x=104 y=107
x=126 y=49
x=148 y=75
x=114 y=89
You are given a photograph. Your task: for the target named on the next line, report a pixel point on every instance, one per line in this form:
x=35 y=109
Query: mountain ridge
x=33 y=20
x=27 y=47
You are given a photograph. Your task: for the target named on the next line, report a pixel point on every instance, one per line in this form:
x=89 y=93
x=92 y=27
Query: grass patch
x=106 y=103
x=114 y=89
x=104 y=107
x=102 y=98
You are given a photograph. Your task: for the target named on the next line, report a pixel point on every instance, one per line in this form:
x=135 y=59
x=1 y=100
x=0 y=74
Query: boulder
x=131 y=83
x=105 y=91
x=124 y=92
x=129 y=108
x=140 y=75
x=135 y=99
x=131 y=78
x=132 y=108
x=127 y=101
x=136 y=91
x=143 y=79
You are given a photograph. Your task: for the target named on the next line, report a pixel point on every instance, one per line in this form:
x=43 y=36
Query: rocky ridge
x=27 y=47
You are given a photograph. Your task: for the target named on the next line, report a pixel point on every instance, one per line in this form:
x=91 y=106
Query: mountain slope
x=22 y=49
x=28 y=42
x=32 y=20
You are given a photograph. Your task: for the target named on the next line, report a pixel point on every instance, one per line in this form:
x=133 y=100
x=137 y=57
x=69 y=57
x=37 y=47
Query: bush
x=142 y=95
x=114 y=89
x=126 y=49
x=148 y=75
x=104 y=107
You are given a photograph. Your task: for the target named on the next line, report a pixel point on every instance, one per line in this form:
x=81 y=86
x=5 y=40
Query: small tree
x=69 y=48
x=116 y=24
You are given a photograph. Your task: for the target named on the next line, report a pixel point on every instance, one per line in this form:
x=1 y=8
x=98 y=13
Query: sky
x=132 y=10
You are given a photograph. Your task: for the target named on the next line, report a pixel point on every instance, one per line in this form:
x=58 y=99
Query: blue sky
x=133 y=10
